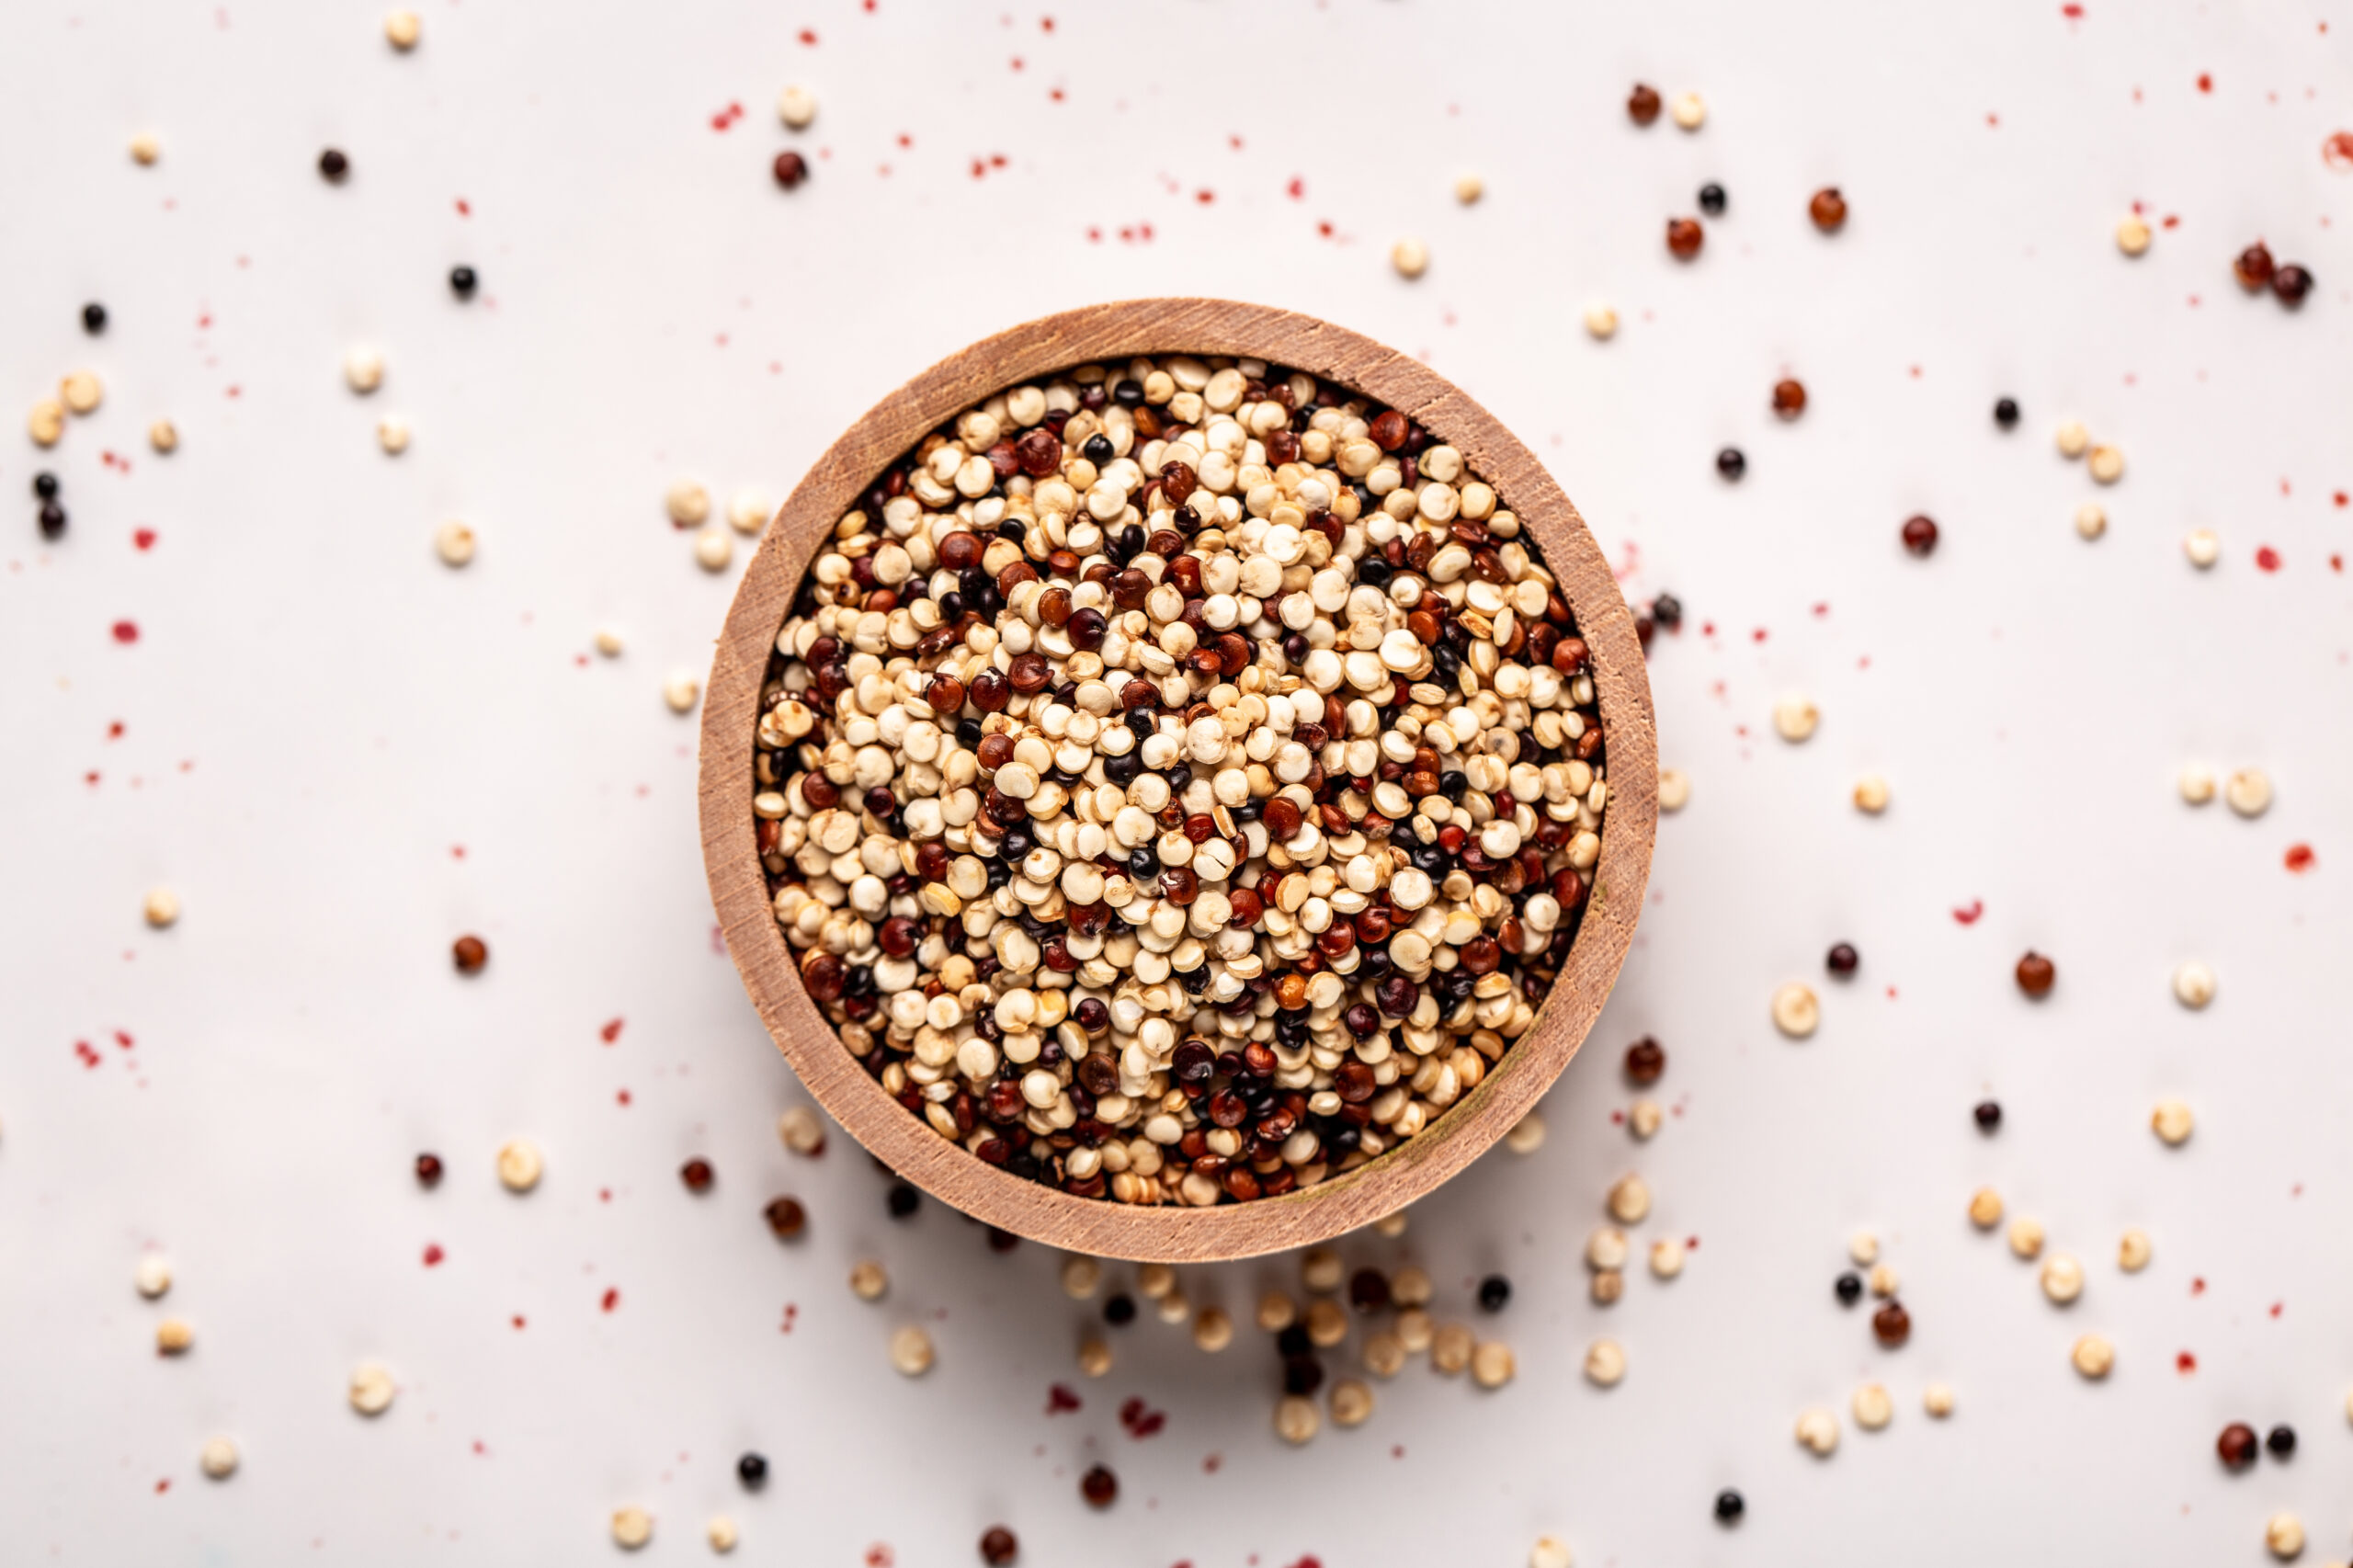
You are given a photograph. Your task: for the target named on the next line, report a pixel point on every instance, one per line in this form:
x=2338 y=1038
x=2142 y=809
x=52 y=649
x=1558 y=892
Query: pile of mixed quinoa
x=1179 y=780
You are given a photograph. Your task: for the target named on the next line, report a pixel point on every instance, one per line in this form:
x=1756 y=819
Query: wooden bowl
x=1104 y=1227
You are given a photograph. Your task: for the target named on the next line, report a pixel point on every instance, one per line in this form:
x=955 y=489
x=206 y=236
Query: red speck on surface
x=1017 y=63
x=113 y=731
x=434 y=1254
x=2185 y=1363
x=727 y=117
x=1045 y=24
x=604 y=1195
x=2198 y=1285
x=2074 y=13
x=2205 y=82
x=2336 y=563
x=2278 y=1307
x=1323 y=228
x=2171 y=221
x=91 y=778
x=2341 y=498
x=612 y=1031
x=620 y=1097
x=1296 y=189
x=1967 y=914
x=1822 y=608
x=2301 y=859
x=1061 y=1399
x=463 y=209
x=1205 y=196
x=87 y=1053
x=1310 y=1560
x=809 y=37
x=879 y=1555
x=1141 y=1419
x=1992 y=120
x=1691 y=1243
x=456 y=852
x=612 y=1297
x=143 y=538
x=1616 y=1119
x=126 y=631
x=2267 y=558
x=792 y=1314
x=2337 y=150
x=163 y=1486
x=517 y=1320
x=1759 y=635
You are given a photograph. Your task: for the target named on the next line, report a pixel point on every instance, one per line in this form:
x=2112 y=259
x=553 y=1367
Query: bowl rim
x=906 y=1142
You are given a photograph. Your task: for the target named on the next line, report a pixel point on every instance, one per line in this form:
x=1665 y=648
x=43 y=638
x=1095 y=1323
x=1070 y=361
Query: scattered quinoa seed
x=609 y=643
x=1605 y=1363
x=688 y=503
x=1863 y=1248
x=1788 y=394
x=1468 y=188
x=2132 y=235
x=391 y=434
x=2197 y=783
x=1410 y=257
x=796 y=107
x=696 y=1175
x=1212 y=1329
x=428 y=1170
x=1870 y=794
x=217 y=1458
x=363 y=367
x=372 y=1388
x=153 y=1275
x=1642 y=104
x=1600 y=321
x=714 y=548
x=1689 y=110
x=2283 y=1533
x=1796 y=1010
x=1684 y=237
x=1093 y=1355
x=1674 y=789
x=2105 y=464
x=1666 y=1257
x=145 y=147
x=1872 y=1407
x=521 y=1164
x=402 y=29
x=1795 y=718
x=786 y=1217
x=801 y=1130
x=748 y=511
x=454 y=542
x=911 y=1351
x=81 y=392
x=867 y=1280
x=681 y=691
x=1919 y=535
x=632 y=1527
x=174 y=1336
x=1527 y=1134
x=2289 y=284
x=1629 y=1200
x=2249 y=791
x=1730 y=464
x=1642 y=1119
x=1451 y=1347
x=1549 y=1551
x=2005 y=411
x=1937 y=1399
x=46 y=422
x=1985 y=1209
x=2026 y=1237
x=1100 y=1488
x=2093 y=1356
x=2091 y=519
x=1296 y=1419
x=2193 y=984
x=1883 y=1280
x=722 y=1533
x=469 y=954
x=1081 y=1278
x=162 y=908
x=1818 y=1432
x=165 y=437
x=1352 y=1401
x=1988 y=1114
x=1729 y=1507
x=1829 y=209
x=2133 y=1250
x=2036 y=976
x=2203 y=547
x=463 y=281
x=790 y=169
x=1892 y=1325
x=2171 y=1121
x=1842 y=960
x=2062 y=1278
x=2074 y=440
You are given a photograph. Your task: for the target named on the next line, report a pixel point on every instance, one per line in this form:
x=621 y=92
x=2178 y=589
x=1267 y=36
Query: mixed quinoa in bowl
x=1178 y=780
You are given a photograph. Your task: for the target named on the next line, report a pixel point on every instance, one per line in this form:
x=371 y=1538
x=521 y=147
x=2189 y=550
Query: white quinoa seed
x=1873 y=1409
x=1416 y=1330
x=1674 y=789
x=145 y=147
x=1862 y=1247
x=2026 y=1237
x=1493 y=1364
x=2204 y=546
x=1643 y=1119
x=1451 y=1347
x=453 y=541
x=1795 y=718
x=363 y=367
x=802 y=1129
x=1468 y=188
x=2132 y=235
x=1796 y=1010
x=1093 y=1355
x=1410 y=257
x=2247 y=791
x=1629 y=1200
x=162 y=908
x=1817 y=1432
x=688 y=503
x=632 y=1527
x=682 y=690
x=391 y=434
x=1081 y=1278
x=81 y=391
x=174 y=1336
x=2197 y=783
x=1327 y=1322
x=2283 y=1536
x=714 y=548
x=722 y=1533
x=1600 y=321
x=2133 y=1250
x=217 y=1458
x=609 y=643
x=2062 y=1278
x=2107 y=464
x=1212 y=1329
x=910 y=1350
x=2193 y=984
x=1688 y=109
x=402 y=29
x=1172 y=1307
x=1296 y=1419
x=1320 y=1269
x=1609 y=1286
x=1605 y=1248
x=1410 y=1286
x=1666 y=1257
x=372 y=1388
x=796 y=107
x=1985 y=1209
x=1605 y=1363
x=1391 y=1225
x=1937 y=1399
x=2093 y=1356
x=1549 y=1551
x=2091 y=519
x=2074 y=440
x=748 y=511
x=521 y=1164
x=153 y=1275
x=164 y=435
x=1351 y=1402
x=2171 y=1122
x=1527 y=1134
x=1384 y=1354
x=1155 y=1280
x=868 y=1280
x=1870 y=794
x=1884 y=1281
x=46 y=423
x=1277 y=1312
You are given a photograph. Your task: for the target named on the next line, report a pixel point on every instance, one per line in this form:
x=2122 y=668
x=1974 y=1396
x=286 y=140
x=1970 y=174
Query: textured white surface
x=316 y=711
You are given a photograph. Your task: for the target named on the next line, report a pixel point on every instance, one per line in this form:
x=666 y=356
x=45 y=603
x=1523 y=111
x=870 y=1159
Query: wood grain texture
x=1099 y=1226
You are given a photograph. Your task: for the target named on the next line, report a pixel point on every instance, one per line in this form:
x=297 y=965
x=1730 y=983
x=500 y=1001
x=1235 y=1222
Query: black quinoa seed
x=2281 y=1441
x=2005 y=411
x=1494 y=1293
x=93 y=318
x=462 y=282
x=1120 y=1310
x=1729 y=1505
x=1850 y=1287
x=1731 y=463
x=45 y=485
x=1989 y=1115
x=333 y=165
x=1712 y=199
x=752 y=1470
x=903 y=1200
x=1842 y=958
x=52 y=520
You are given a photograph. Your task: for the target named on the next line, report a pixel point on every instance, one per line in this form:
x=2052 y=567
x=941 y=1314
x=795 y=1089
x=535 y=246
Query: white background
x=316 y=711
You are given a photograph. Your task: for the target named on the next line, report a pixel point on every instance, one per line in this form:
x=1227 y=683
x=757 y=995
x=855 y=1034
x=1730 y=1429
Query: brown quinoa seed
x=998 y=1547
x=1892 y=1325
x=2252 y=267
x=1158 y=818
x=1645 y=1060
x=790 y=169
x=1829 y=209
x=1099 y=1486
x=1684 y=237
x=1642 y=104
x=2036 y=976
x=786 y=1217
x=1920 y=535
x=697 y=1173
x=469 y=953
x=1788 y=397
